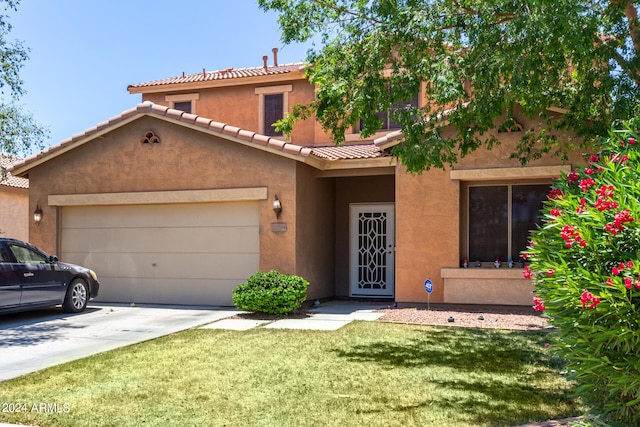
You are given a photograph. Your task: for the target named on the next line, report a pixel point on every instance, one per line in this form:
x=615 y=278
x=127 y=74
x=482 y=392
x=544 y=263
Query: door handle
x=28 y=274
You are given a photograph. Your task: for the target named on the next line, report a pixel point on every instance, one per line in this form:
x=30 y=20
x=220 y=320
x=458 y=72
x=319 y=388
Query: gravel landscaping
x=503 y=317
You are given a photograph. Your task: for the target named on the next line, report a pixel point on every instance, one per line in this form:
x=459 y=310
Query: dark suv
x=31 y=279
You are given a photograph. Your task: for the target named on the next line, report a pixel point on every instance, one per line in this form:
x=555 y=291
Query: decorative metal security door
x=372 y=250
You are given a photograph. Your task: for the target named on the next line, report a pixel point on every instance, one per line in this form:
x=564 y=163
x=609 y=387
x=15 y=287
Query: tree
x=572 y=63
x=19 y=132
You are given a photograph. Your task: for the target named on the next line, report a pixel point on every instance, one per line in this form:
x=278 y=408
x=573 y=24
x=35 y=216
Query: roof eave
x=239 y=81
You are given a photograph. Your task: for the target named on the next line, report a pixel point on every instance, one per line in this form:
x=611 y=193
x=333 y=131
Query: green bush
x=585 y=263
x=271 y=292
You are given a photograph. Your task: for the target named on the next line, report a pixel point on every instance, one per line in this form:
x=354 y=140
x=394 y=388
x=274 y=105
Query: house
x=14 y=202
x=182 y=197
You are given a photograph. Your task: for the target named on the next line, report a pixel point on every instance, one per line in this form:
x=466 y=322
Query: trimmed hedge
x=271 y=292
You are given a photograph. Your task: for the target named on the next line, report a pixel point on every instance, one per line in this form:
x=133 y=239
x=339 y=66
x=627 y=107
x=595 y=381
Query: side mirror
x=53 y=259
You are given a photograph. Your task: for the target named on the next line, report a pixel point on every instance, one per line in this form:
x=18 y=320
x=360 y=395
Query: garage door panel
x=173 y=266
x=192 y=239
x=169 y=254
x=134 y=216
x=167 y=291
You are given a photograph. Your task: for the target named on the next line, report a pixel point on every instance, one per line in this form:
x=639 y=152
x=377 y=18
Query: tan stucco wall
x=14 y=212
x=315 y=240
x=428 y=231
x=238 y=106
x=184 y=160
x=364 y=189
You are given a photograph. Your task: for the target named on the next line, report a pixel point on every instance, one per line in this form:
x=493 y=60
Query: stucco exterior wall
x=429 y=227
x=315 y=240
x=238 y=106
x=14 y=212
x=362 y=189
x=183 y=160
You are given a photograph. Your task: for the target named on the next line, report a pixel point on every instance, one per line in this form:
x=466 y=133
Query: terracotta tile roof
x=320 y=154
x=229 y=73
x=344 y=152
x=8 y=179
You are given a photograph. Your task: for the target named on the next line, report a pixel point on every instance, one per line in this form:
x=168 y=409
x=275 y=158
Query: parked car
x=32 y=279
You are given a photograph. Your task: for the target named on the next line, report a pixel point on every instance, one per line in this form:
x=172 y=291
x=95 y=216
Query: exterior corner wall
x=14 y=212
x=427 y=232
x=315 y=240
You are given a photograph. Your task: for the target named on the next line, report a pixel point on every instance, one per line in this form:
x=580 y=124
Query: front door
x=372 y=250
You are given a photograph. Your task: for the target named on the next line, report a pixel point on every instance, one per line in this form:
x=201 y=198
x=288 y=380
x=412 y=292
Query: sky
x=84 y=54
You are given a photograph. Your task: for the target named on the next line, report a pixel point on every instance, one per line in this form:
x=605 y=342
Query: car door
x=41 y=283
x=10 y=283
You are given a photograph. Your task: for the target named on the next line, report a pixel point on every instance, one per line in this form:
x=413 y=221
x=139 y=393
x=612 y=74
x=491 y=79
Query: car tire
x=77 y=297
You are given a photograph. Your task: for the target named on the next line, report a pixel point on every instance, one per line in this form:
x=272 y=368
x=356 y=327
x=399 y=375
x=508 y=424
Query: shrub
x=585 y=263
x=271 y=292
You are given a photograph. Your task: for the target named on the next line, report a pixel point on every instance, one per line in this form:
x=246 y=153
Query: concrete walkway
x=328 y=316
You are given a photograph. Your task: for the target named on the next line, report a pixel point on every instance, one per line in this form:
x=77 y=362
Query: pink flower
x=594 y=159
x=632 y=141
x=572 y=177
x=538 y=305
x=628 y=283
x=610 y=282
x=555 y=212
x=555 y=194
x=588 y=171
x=615 y=271
x=586 y=184
x=588 y=297
x=550 y=272
x=527 y=273
x=524 y=256
x=630 y=264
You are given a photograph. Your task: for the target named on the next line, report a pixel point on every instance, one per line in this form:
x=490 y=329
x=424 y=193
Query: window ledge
x=509 y=173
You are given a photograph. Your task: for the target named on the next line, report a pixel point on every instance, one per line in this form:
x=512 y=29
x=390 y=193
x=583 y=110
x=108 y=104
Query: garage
x=169 y=253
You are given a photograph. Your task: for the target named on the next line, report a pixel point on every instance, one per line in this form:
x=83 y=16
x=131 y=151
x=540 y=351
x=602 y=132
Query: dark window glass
x=385 y=116
x=27 y=256
x=183 y=106
x=273 y=111
x=488 y=223
x=526 y=203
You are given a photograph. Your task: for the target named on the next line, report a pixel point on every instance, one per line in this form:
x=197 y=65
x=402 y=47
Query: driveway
x=36 y=340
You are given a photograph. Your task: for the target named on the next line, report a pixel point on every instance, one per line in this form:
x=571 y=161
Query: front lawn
x=365 y=374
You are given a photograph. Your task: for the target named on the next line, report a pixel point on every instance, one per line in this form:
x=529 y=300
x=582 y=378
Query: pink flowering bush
x=585 y=263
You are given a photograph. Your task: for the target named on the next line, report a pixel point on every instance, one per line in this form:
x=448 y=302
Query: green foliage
x=19 y=132
x=586 y=268
x=271 y=292
x=476 y=60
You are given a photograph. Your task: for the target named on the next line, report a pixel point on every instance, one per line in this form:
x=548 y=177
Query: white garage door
x=167 y=254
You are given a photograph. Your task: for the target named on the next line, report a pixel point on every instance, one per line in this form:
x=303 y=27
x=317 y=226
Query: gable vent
x=150 y=138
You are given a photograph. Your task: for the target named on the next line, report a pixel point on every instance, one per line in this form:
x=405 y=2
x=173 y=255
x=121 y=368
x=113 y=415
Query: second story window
x=385 y=116
x=184 y=102
x=273 y=102
x=273 y=111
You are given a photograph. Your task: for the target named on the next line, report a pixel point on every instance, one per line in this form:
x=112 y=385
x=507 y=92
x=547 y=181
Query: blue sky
x=84 y=54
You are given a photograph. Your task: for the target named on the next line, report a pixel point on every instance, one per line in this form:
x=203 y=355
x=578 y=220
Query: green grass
x=365 y=374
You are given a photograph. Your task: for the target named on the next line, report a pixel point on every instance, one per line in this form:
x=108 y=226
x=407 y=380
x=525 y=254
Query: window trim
x=183 y=97
x=271 y=90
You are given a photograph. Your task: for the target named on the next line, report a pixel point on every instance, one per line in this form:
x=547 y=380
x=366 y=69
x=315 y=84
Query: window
x=273 y=111
x=27 y=256
x=184 y=102
x=273 y=102
x=385 y=116
x=183 y=106
x=500 y=218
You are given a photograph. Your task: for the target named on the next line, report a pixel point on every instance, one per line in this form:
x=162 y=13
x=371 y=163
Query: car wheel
x=77 y=297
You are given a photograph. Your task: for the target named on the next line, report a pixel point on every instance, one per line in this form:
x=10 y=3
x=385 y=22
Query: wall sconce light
x=37 y=214
x=277 y=207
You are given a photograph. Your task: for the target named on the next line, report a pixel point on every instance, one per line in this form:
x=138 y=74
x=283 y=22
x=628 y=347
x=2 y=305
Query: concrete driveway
x=36 y=340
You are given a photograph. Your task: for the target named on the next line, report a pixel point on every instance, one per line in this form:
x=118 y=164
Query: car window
x=4 y=256
x=27 y=256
